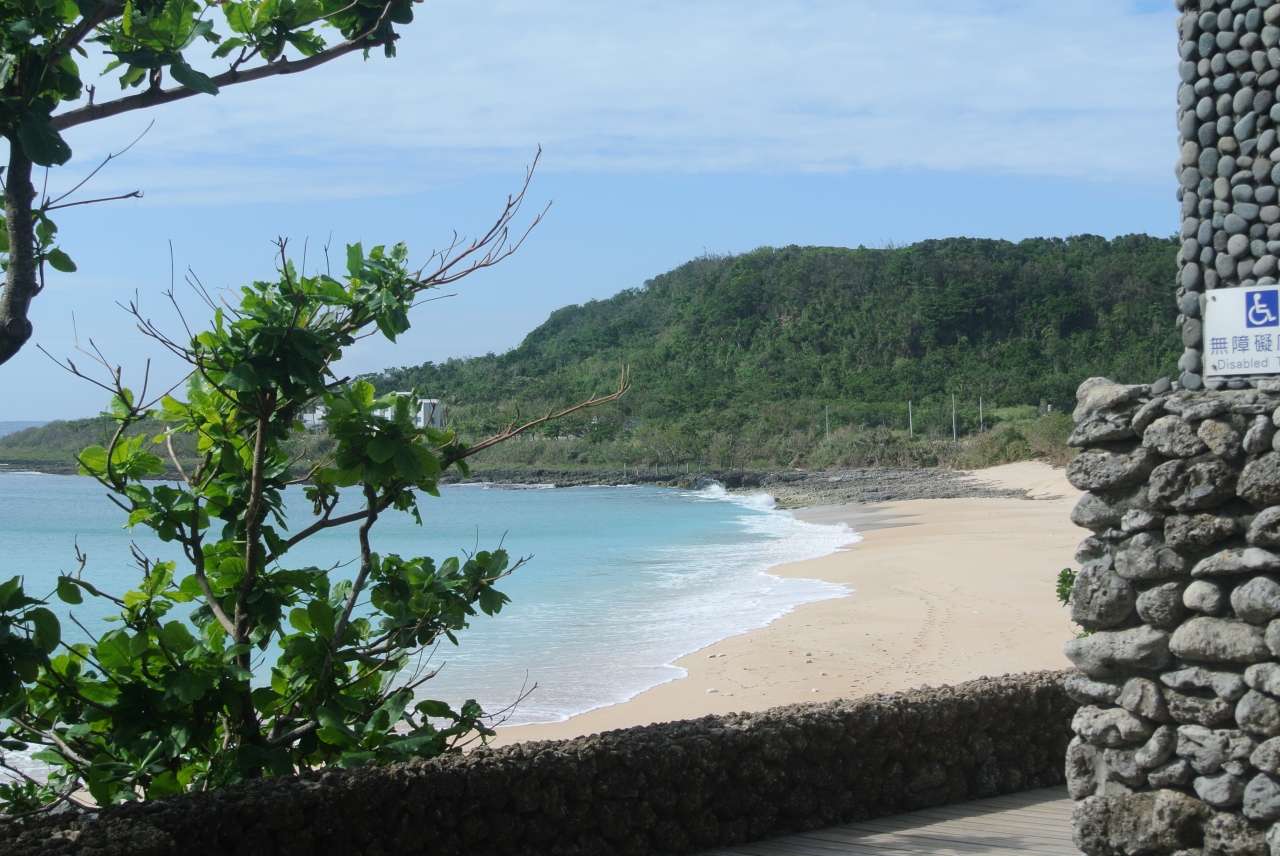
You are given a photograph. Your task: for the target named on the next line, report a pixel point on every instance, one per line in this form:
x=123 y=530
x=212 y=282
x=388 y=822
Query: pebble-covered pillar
x=1230 y=166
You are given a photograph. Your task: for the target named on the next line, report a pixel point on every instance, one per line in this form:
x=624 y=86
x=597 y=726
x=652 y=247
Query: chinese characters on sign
x=1242 y=331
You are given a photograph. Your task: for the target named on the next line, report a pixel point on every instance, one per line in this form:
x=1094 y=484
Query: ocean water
x=619 y=583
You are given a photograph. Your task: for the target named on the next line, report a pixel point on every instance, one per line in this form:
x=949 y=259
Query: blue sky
x=669 y=129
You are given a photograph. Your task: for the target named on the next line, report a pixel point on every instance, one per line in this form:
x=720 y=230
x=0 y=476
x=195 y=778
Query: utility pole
x=911 y=421
x=982 y=425
x=828 y=421
x=955 y=437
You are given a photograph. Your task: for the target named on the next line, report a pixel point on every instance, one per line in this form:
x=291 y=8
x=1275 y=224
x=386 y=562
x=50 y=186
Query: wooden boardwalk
x=1035 y=822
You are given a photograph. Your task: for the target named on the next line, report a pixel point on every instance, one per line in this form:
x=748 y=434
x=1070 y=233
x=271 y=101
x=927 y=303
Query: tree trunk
x=20 y=279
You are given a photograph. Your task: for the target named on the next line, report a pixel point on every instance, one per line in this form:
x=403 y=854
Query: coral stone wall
x=676 y=787
x=1177 y=746
x=1230 y=165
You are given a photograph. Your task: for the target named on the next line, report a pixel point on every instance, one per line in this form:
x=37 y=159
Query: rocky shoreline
x=791 y=489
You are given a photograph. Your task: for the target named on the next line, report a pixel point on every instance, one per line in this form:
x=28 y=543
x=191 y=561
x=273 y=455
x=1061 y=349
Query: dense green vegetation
x=809 y=355
x=238 y=660
x=54 y=446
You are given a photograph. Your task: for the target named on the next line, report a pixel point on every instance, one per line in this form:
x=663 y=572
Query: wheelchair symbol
x=1263 y=309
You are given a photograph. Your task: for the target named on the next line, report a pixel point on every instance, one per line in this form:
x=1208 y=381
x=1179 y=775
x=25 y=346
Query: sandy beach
x=941 y=591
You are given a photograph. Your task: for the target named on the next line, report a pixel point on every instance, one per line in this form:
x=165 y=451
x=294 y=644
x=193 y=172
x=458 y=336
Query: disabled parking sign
x=1242 y=331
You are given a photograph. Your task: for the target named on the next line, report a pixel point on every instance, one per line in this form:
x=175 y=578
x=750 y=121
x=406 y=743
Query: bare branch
x=133 y=194
x=52 y=204
x=366 y=567
x=624 y=384
x=327 y=522
x=52 y=737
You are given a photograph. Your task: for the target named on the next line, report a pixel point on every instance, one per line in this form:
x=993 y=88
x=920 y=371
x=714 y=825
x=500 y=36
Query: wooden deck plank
x=1035 y=822
x=967 y=841
x=993 y=825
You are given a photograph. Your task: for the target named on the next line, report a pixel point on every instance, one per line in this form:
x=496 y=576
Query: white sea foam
x=688 y=597
x=624 y=580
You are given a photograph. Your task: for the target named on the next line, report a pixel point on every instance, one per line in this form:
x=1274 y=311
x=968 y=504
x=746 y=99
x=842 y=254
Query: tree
x=144 y=39
x=275 y=668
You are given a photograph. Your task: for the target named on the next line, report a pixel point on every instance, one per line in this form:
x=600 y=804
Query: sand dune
x=942 y=591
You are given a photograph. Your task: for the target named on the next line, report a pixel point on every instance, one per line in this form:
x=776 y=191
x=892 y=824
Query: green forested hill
x=807 y=356
x=719 y=341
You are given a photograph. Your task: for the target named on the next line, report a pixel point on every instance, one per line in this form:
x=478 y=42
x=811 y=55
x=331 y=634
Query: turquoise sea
x=621 y=581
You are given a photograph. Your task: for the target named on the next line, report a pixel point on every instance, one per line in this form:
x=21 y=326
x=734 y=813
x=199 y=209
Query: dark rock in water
x=791 y=488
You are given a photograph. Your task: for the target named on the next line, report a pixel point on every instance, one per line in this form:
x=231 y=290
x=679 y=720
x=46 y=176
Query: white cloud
x=1080 y=90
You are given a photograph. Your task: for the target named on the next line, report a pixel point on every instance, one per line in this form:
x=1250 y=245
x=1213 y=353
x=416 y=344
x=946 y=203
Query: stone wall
x=677 y=787
x=1178 y=742
x=1230 y=165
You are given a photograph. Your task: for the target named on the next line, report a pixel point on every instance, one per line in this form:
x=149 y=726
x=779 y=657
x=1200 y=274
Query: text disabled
x=1242 y=331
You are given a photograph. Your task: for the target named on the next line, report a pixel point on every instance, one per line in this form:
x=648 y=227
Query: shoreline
x=942 y=590
x=790 y=488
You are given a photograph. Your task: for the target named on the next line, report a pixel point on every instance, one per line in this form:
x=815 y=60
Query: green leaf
x=335 y=723
x=93 y=460
x=68 y=591
x=242 y=378
x=113 y=651
x=186 y=686
x=381 y=449
x=435 y=709
x=239 y=17
x=322 y=618
x=355 y=260
x=238 y=673
x=164 y=785
x=176 y=636
x=48 y=632
x=41 y=142
x=192 y=79
x=492 y=600
x=58 y=260
x=300 y=620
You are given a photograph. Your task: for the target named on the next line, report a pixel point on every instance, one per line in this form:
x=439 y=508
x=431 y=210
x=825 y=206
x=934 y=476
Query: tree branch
x=20 y=285
x=155 y=97
x=327 y=522
x=512 y=430
x=366 y=567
